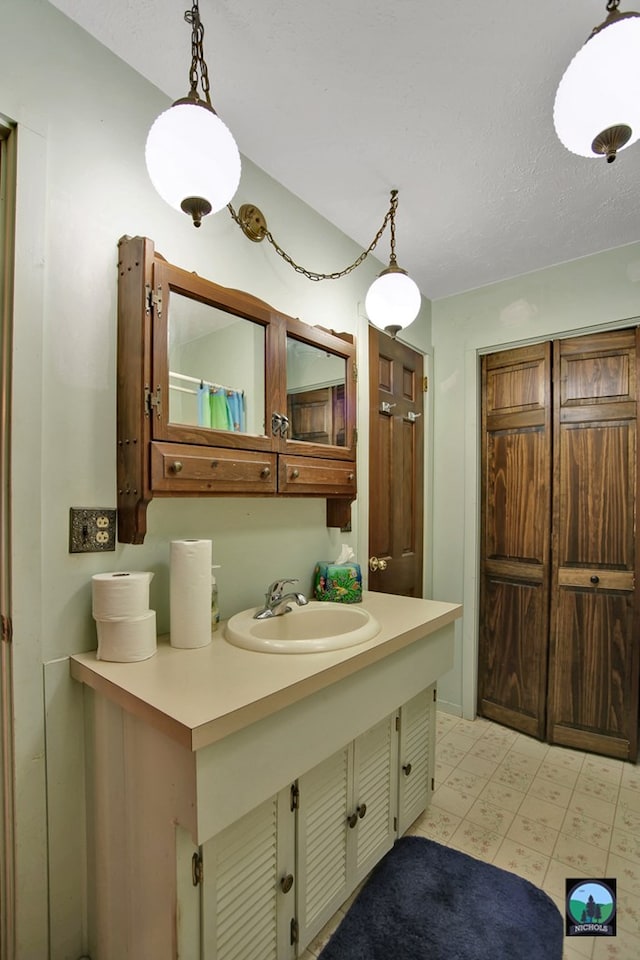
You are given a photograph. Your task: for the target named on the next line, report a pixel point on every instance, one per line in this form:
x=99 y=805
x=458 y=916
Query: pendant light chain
x=311 y=274
x=197 y=53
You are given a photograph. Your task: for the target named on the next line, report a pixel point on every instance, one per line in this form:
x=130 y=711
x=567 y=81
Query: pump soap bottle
x=215 y=610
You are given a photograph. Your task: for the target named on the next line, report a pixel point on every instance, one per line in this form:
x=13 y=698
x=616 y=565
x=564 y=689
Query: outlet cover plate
x=91 y=530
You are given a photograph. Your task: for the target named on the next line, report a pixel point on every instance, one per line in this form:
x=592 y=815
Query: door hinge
x=295 y=796
x=7 y=629
x=196 y=869
x=154 y=298
x=295 y=932
x=425 y=384
x=152 y=400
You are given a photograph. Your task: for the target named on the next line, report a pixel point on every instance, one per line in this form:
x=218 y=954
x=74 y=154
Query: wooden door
x=515 y=550
x=396 y=470
x=594 y=654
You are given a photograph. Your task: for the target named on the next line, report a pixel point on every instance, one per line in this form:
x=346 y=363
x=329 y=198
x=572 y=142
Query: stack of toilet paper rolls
x=126 y=627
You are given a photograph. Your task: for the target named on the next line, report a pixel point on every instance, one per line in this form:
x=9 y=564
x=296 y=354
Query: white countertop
x=200 y=696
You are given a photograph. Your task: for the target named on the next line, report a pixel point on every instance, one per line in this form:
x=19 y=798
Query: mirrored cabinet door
x=320 y=388
x=211 y=363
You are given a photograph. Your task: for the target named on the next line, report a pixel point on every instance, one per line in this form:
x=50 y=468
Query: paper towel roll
x=127 y=640
x=190 y=593
x=117 y=595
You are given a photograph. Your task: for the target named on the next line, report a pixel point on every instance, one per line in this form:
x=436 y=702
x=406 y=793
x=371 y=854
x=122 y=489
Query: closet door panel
x=516 y=517
x=593 y=699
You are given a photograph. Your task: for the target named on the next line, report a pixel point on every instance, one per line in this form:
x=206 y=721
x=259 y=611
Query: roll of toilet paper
x=117 y=595
x=127 y=640
x=190 y=593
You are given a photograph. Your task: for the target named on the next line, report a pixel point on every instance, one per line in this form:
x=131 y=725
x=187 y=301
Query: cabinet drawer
x=311 y=475
x=182 y=468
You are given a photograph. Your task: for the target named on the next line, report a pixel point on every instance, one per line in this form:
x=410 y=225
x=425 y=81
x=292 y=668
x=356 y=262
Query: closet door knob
x=595 y=579
x=352 y=820
x=176 y=466
x=407 y=769
x=361 y=810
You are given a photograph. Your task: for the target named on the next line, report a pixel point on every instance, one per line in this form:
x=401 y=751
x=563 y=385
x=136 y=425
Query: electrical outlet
x=91 y=531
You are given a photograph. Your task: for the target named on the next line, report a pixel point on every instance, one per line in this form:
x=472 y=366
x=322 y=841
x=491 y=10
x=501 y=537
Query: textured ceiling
x=451 y=103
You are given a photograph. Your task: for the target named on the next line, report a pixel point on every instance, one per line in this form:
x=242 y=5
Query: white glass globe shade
x=601 y=88
x=190 y=152
x=393 y=300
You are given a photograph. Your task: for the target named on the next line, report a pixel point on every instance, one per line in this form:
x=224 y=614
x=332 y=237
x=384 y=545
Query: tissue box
x=337 y=581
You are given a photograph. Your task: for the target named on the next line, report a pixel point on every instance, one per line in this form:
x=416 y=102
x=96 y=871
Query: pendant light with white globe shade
x=597 y=106
x=393 y=300
x=192 y=158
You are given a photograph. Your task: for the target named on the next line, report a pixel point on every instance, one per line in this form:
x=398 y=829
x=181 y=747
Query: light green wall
x=584 y=295
x=82 y=120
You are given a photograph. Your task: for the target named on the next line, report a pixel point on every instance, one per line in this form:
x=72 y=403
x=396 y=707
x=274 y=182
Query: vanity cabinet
x=236 y=799
x=218 y=393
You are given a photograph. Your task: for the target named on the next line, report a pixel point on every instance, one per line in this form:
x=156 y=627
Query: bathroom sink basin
x=316 y=627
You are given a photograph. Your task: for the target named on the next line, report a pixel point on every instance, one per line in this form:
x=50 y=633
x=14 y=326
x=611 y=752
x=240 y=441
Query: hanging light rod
x=597 y=106
x=393 y=299
x=191 y=156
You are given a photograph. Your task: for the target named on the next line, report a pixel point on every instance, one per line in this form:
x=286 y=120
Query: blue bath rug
x=425 y=901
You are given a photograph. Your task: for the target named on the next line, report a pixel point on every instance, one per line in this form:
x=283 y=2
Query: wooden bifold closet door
x=559 y=623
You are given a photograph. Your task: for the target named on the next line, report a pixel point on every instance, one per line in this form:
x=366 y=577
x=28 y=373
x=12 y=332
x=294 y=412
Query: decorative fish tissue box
x=339 y=580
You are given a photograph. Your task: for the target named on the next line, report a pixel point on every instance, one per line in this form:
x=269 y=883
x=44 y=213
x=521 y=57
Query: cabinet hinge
x=7 y=629
x=196 y=869
x=425 y=384
x=355 y=436
x=295 y=932
x=433 y=784
x=395 y=824
x=355 y=373
x=435 y=695
x=154 y=298
x=295 y=796
x=397 y=723
x=152 y=400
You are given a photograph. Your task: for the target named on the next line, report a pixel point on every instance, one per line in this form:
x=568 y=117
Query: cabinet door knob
x=407 y=769
x=375 y=564
x=295 y=474
x=176 y=466
x=595 y=579
x=352 y=820
x=265 y=472
x=361 y=810
x=286 y=883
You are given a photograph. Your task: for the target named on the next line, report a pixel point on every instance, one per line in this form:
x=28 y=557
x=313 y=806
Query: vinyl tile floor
x=543 y=812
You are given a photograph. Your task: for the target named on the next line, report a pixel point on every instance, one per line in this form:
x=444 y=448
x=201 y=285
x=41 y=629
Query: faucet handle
x=277 y=588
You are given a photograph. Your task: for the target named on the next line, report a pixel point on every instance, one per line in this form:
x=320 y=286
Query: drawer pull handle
x=407 y=769
x=595 y=579
x=265 y=472
x=295 y=474
x=286 y=883
x=361 y=810
x=176 y=466
x=352 y=820
x=351 y=477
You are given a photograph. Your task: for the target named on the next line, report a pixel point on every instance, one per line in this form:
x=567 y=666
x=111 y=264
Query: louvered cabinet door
x=416 y=757
x=246 y=909
x=322 y=877
x=373 y=803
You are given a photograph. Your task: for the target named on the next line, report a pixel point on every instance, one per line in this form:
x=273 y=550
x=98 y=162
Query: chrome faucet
x=277 y=602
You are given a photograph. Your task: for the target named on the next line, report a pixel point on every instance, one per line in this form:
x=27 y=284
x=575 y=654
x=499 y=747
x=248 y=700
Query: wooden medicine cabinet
x=220 y=394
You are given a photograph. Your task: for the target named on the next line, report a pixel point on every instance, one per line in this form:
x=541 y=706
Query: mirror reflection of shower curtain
x=221 y=409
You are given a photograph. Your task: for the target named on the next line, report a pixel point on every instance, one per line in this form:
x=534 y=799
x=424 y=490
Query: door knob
x=375 y=564
x=407 y=769
x=286 y=883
